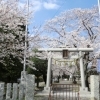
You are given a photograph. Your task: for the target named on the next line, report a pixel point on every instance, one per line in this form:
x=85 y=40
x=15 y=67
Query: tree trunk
x=44 y=78
x=37 y=81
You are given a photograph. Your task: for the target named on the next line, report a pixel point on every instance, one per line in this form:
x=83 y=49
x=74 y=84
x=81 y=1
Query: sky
x=48 y=9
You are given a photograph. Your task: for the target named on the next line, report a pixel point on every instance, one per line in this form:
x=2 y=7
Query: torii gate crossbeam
x=69 y=49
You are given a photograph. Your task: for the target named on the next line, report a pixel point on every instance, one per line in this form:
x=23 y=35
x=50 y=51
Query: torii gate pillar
x=47 y=88
x=82 y=73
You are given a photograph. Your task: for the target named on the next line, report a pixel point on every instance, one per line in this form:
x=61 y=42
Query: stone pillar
x=83 y=88
x=23 y=80
x=95 y=92
x=47 y=88
x=8 y=91
x=30 y=87
x=23 y=77
x=1 y=91
x=15 y=91
x=21 y=92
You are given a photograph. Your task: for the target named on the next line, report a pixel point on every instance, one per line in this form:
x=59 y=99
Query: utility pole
x=99 y=7
x=99 y=58
x=26 y=34
x=23 y=73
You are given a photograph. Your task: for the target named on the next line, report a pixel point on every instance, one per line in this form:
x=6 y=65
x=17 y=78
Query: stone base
x=84 y=98
x=83 y=89
x=46 y=90
x=93 y=98
x=84 y=94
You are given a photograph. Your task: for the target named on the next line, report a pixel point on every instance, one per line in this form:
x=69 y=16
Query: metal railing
x=64 y=92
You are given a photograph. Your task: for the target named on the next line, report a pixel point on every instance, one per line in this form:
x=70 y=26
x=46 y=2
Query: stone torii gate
x=79 y=50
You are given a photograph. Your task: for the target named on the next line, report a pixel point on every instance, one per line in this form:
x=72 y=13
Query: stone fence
x=17 y=91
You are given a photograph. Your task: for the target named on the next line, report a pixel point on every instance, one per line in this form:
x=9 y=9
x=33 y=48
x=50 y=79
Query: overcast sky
x=47 y=9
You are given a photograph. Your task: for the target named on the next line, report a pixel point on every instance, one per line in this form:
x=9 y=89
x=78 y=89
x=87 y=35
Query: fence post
x=8 y=91
x=21 y=92
x=94 y=80
x=15 y=91
x=30 y=87
x=1 y=91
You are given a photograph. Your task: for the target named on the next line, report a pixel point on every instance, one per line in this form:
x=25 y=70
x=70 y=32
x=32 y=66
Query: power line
x=55 y=12
x=59 y=8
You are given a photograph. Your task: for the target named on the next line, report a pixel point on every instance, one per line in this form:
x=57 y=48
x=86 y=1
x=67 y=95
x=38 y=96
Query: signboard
x=98 y=65
x=65 y=53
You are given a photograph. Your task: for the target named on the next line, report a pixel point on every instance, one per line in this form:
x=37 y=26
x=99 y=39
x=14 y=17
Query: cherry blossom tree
x=13 y=21
x=12 y=38
x=76 y=28
x=12 y=27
